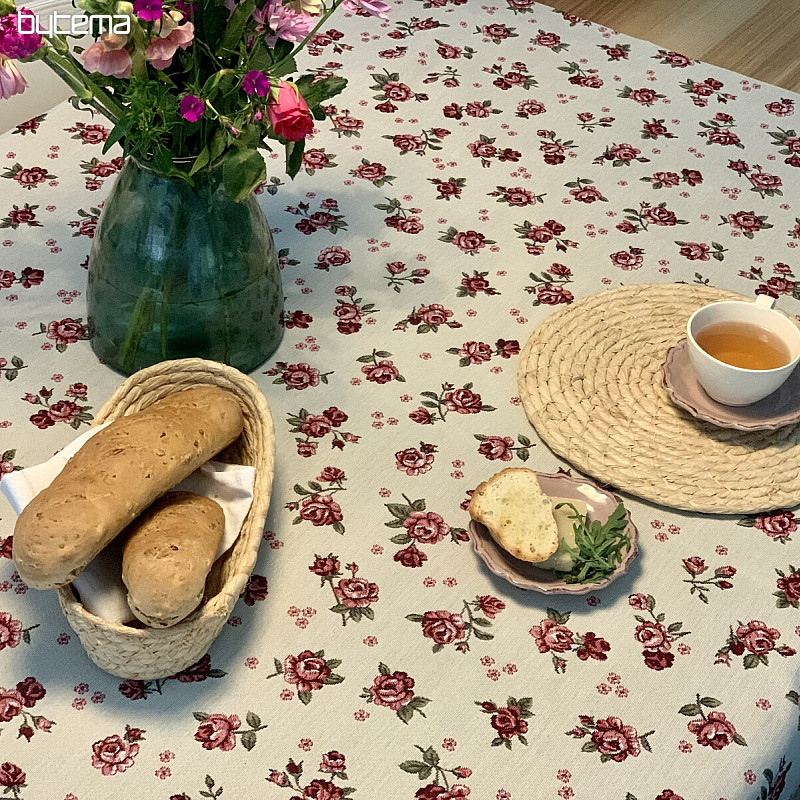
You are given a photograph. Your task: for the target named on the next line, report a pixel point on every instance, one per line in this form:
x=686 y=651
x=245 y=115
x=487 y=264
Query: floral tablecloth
x=485 y=166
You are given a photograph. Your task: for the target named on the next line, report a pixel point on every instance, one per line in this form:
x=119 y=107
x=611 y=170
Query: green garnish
x=598 y=546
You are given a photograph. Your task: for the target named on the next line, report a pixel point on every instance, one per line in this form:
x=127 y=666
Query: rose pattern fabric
x=484 y=168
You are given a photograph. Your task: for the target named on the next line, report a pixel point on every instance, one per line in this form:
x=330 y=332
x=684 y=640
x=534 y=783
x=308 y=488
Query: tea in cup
x=742 y=351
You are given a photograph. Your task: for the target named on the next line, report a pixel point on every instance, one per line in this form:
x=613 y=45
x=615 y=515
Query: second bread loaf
x=118 y=473
x=167 y=554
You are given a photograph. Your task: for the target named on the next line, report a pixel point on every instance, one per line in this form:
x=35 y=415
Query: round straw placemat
x=590 y=382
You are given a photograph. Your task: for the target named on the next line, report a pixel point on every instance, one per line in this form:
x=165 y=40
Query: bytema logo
x=77 y=24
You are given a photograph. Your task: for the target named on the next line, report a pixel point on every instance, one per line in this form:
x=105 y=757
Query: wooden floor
x=757 y=38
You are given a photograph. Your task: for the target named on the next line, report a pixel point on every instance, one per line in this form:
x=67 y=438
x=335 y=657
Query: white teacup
x=737 y=386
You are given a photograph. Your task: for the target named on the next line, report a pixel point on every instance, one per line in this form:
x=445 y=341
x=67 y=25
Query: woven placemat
x=590 y=383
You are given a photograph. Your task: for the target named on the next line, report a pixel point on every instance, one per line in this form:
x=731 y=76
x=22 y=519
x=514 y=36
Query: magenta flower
x=255 y=82
x=16 y=44
x=375 y=8
x=192 y=108
x=149 y=10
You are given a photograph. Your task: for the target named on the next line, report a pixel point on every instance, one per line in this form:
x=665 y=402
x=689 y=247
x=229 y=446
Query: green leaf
x=414 y=617
x=430 y=756
x=201 y=160
x=122 y=128
x=383 y=669
x=253 y=720
x=200 y=716
x=235 y=27
x=333 y=679
x=248 y=740
x=405 y=713
x=278 y=666
x=750 y=661
x=690 y=710
x=398 y=510
x=710 y=702
x=739 y=739
x=294 y=157
x=414 y=767
x=242 y=171
x=304 y=697
x=589 y=747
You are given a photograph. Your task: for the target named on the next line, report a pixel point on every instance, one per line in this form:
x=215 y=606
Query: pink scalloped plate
x=526 y=575
x=680 y=383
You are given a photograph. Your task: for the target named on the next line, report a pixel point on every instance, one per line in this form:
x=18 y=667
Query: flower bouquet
x=195 y=92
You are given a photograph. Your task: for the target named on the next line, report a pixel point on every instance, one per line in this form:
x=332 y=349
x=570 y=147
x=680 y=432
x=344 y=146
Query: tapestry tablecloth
x=486 y=165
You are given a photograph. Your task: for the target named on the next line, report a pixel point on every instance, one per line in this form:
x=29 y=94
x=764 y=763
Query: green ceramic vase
x=179 y=270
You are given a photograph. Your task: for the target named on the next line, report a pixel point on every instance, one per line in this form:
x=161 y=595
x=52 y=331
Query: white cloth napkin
x=100 y=585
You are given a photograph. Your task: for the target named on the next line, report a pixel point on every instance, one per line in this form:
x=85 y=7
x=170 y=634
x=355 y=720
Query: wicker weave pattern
x=146 y=654
x=590 y=383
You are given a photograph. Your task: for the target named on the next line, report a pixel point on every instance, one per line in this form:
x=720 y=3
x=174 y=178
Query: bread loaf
x=115 y=476
x=518 y=515
x=167 y=553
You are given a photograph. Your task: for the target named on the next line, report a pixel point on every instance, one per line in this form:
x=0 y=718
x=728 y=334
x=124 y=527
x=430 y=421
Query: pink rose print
x=611 y=738
x=308 y=671
x=356 y=593
x=550 y=636
x=426 y=527
x=713 y=729
x=12 y=778
x=395 y=690
x=10 y=704
x=297 y=376
x=788 y=584
x=219 y=731
x=216 y=731
x=414 y=461
x=321 y=510
x=508 y=721
x=10 y=631
x=443 y=627
x=753 y=640
x=113 y=755
x=655 y=637
x=553 y=636
x=778 y=525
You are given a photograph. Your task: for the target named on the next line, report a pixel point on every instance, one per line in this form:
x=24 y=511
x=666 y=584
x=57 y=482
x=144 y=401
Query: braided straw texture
x=148 y=653
x=590 y=383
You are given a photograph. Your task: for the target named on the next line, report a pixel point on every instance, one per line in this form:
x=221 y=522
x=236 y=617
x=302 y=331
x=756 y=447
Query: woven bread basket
x=149 y=653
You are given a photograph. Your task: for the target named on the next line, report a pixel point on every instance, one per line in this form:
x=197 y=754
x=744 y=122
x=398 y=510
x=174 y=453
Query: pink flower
x=11 y=80
x=192 y=108
x=216 y=731
x=113 y=754
x=108 y=56
x=17 y=34
x=162 y=49
x=549 y=635
x=284 y=21
x=715 y=731
x=393 y=690
x=443 y=626
x=255 y=82
x=10 y=630
x=11 y=702
x=374 y=8
x=289 y=115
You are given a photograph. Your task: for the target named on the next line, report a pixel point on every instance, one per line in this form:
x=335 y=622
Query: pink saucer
x=525 y=575
x=780 y=408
